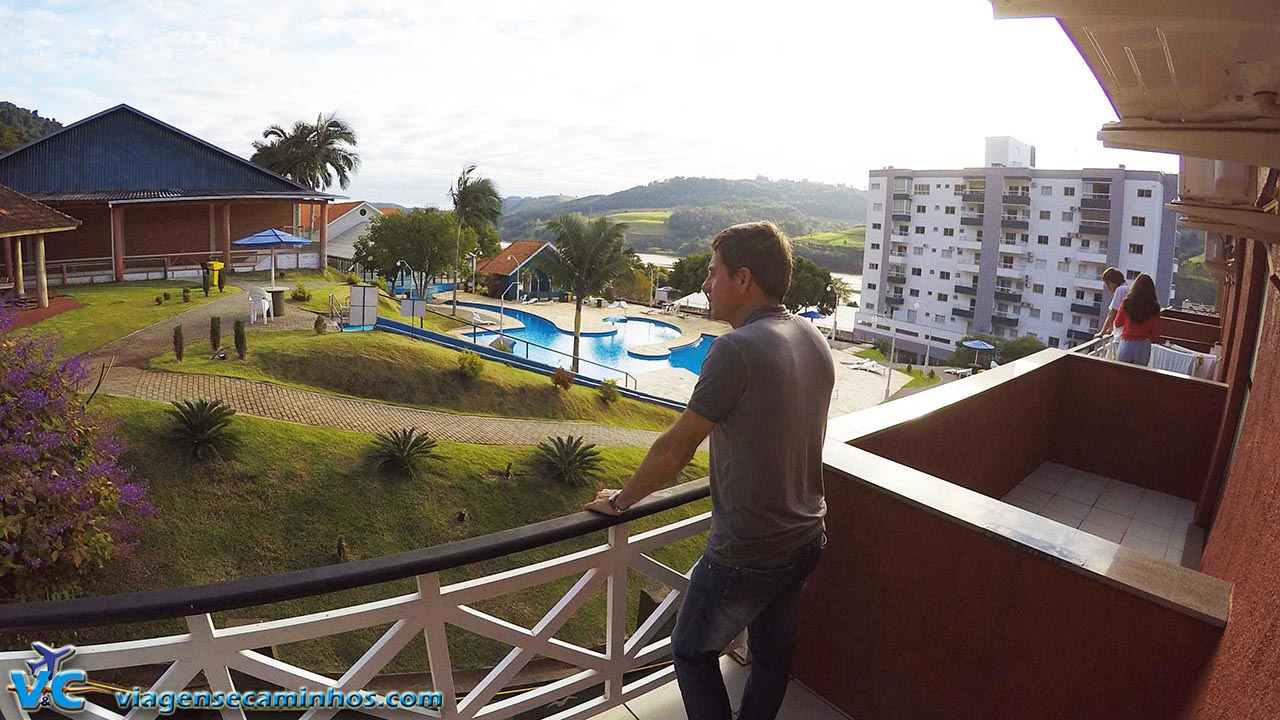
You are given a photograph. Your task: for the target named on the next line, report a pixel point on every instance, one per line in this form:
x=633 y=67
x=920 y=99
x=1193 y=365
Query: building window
x=914 y=292
x=1064 y=242
x=1064 y=266
x=871 y=286
x=1037 y=288
x=1138 y=221
x=919 y=229
x=1084 y=243
x=944 y=275
x=875 y=186
x=1075 y=320
x=1053 y=341
x=1035 y=313
x=874 y=266
x=875 y=226
x=948 y=232
x=951 y=210
x=921 y=208
x=1060 y=292
x=915 y=272
x=875 y=246
x=922 y=189
x=1135 y=248
x=1069 y=191
x=946 y=254
x=1144 y=192
x=1042 y=239
x=877 y=207
x=1046 y=215
x=942 y=297
x=1066 y=216
x=1057 y=317
x=1046 y=190
x=917 y=250
x=870 y=307
x=1131 y=274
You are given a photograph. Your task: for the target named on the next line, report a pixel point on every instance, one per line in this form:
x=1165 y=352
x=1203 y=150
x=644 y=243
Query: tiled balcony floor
x=664 y=703
x=1152 y=522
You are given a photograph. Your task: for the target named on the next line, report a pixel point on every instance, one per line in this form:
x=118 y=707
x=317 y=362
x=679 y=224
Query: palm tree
x=588 y=256
x=314 y=155
x=476 y=203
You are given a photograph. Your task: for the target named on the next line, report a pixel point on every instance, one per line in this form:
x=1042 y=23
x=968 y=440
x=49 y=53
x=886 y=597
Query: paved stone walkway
x=279 y=402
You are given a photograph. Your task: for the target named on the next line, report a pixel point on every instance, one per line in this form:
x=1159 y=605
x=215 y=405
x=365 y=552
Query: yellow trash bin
x=214 y=267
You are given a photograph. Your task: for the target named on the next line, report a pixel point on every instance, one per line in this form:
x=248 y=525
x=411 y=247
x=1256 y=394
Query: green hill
x=19 y=126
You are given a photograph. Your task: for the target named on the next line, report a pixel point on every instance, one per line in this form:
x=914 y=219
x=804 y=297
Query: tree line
x=19 y=126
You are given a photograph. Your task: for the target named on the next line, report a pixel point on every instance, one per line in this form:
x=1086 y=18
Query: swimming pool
x=605 y=352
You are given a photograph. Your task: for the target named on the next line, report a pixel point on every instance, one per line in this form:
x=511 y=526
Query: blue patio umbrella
x=978 y=345
x=812 y=314
x=274 y=239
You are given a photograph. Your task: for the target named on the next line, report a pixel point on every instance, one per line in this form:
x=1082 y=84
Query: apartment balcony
x=894 y=300
x=1016 y=199
x=967 y=242
x=901 y=216
x=1080 y=335
x=974 y=196
x=1096 y=201
x=967 y=263
x=962 y=312
x=966 y=290
x=897 y=253
x=1013 y=248
x=1008 y=295
x=896 y=278
x=1093 y=251
x=899 y=233
x=971 y=518
x=1092 y=281
x=899 y=195
x=1094 y=228
x=1004 y=320
x=971 y=219
x=1010 y=271
x=1015 y=222
x=1094 y=309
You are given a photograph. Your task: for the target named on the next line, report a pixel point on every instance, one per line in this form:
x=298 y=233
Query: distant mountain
x=19 y=126
x=515 y=203
x=380 y=206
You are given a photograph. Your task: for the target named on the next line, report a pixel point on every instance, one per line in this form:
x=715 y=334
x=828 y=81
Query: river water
x=846 y=313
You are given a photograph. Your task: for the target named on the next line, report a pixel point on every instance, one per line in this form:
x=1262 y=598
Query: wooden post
x=324 y=237
x=225 y=232
x=8 y=258
x=117 y=241
x=18 y=282
x=42 y=281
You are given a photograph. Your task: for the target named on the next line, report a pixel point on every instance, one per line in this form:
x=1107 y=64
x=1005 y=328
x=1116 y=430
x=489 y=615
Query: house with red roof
x=521 y=264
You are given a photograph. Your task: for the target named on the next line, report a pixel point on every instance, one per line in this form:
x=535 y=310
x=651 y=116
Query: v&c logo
x=47 y=684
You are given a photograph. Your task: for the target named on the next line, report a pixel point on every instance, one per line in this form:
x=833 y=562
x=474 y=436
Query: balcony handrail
x=280 y=587
x=1097 y=196
x=1022 y=218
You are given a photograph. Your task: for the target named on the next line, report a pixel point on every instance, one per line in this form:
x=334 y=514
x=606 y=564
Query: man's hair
x=1113 y=276
x=760 y=247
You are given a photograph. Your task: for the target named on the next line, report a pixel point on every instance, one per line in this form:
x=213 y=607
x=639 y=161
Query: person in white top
x=1115 y=283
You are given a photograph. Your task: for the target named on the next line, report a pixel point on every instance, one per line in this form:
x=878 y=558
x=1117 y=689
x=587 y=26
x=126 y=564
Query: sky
x=577 y=98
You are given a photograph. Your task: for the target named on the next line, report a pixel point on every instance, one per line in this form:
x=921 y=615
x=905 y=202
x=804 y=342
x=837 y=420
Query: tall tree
x=311 y=154
x=478 y=206
x=588 y=255
x=423 y=240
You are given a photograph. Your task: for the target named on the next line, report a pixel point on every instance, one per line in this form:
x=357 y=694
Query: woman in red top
x=1139 y=320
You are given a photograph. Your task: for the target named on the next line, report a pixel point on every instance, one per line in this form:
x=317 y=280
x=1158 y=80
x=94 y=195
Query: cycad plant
x=569 y=459
x=402 y=451
x=201 y=426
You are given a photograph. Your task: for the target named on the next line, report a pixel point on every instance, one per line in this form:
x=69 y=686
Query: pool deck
x=854 y=389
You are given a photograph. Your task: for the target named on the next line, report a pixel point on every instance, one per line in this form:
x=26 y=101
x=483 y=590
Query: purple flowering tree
x=66 y=503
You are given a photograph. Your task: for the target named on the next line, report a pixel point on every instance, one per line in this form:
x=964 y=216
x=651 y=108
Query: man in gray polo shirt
x=763 y=395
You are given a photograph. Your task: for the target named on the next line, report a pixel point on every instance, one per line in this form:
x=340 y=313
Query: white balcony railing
x=429 y=609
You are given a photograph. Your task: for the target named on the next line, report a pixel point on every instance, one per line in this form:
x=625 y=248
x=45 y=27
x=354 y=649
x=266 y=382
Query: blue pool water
x=603 y=354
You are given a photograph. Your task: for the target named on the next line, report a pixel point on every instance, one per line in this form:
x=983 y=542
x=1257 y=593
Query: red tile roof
x=20 y=215
x=389 y=211
x=510 y=258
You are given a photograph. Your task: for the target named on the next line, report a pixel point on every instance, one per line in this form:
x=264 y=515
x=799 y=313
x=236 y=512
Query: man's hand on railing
x=602 y=505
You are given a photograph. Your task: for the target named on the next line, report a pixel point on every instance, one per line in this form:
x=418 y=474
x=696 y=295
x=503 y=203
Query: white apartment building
x=1007 y=250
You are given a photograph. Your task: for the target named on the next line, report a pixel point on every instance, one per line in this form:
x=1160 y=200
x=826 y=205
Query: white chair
x=479 y=319
x=259 y=304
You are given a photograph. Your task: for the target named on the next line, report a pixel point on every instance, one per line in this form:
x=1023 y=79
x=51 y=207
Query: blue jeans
x=721 y=602
x=1136 y=352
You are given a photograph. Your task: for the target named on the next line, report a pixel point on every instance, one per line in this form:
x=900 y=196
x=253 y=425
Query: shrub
x=382 y=284
x=352 y=279
x=167 y=295
x=186 y=295
x=910 y=367
x=301 y=293
x=609 y=392
x=201 y=426
x=67 y=505
x=159 y=300
x=178 y=344
x=242 y=343
x=215 y=332
x=470 y=365
x=931 y=374
x=562 y=379
x=280 y=274
x=319 y=325
x=204 y=283
x=884 y=347
x=568 y=459
x=402 y=451
x=222 y=280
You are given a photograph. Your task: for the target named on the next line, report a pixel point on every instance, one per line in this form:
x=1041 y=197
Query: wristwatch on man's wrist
x=613 y=502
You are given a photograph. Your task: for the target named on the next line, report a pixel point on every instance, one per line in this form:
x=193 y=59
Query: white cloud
x=568 y=97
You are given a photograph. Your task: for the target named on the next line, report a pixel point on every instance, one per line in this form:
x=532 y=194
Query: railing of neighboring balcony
x=599 y=679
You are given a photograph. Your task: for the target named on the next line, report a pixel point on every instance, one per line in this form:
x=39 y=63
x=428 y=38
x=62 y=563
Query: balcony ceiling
x=1191 y=77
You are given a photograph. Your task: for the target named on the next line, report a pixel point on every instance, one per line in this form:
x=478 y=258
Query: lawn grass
x=918 y=378
x=852 y=237
x=113 y=310
x=652 y=223
x=874 y=354
x=392 y=368
x=286 y=493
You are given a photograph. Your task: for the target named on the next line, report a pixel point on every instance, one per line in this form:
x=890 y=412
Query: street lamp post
x=893 y=346
x=835 y=314
x=502 y=299
x=928 y=337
